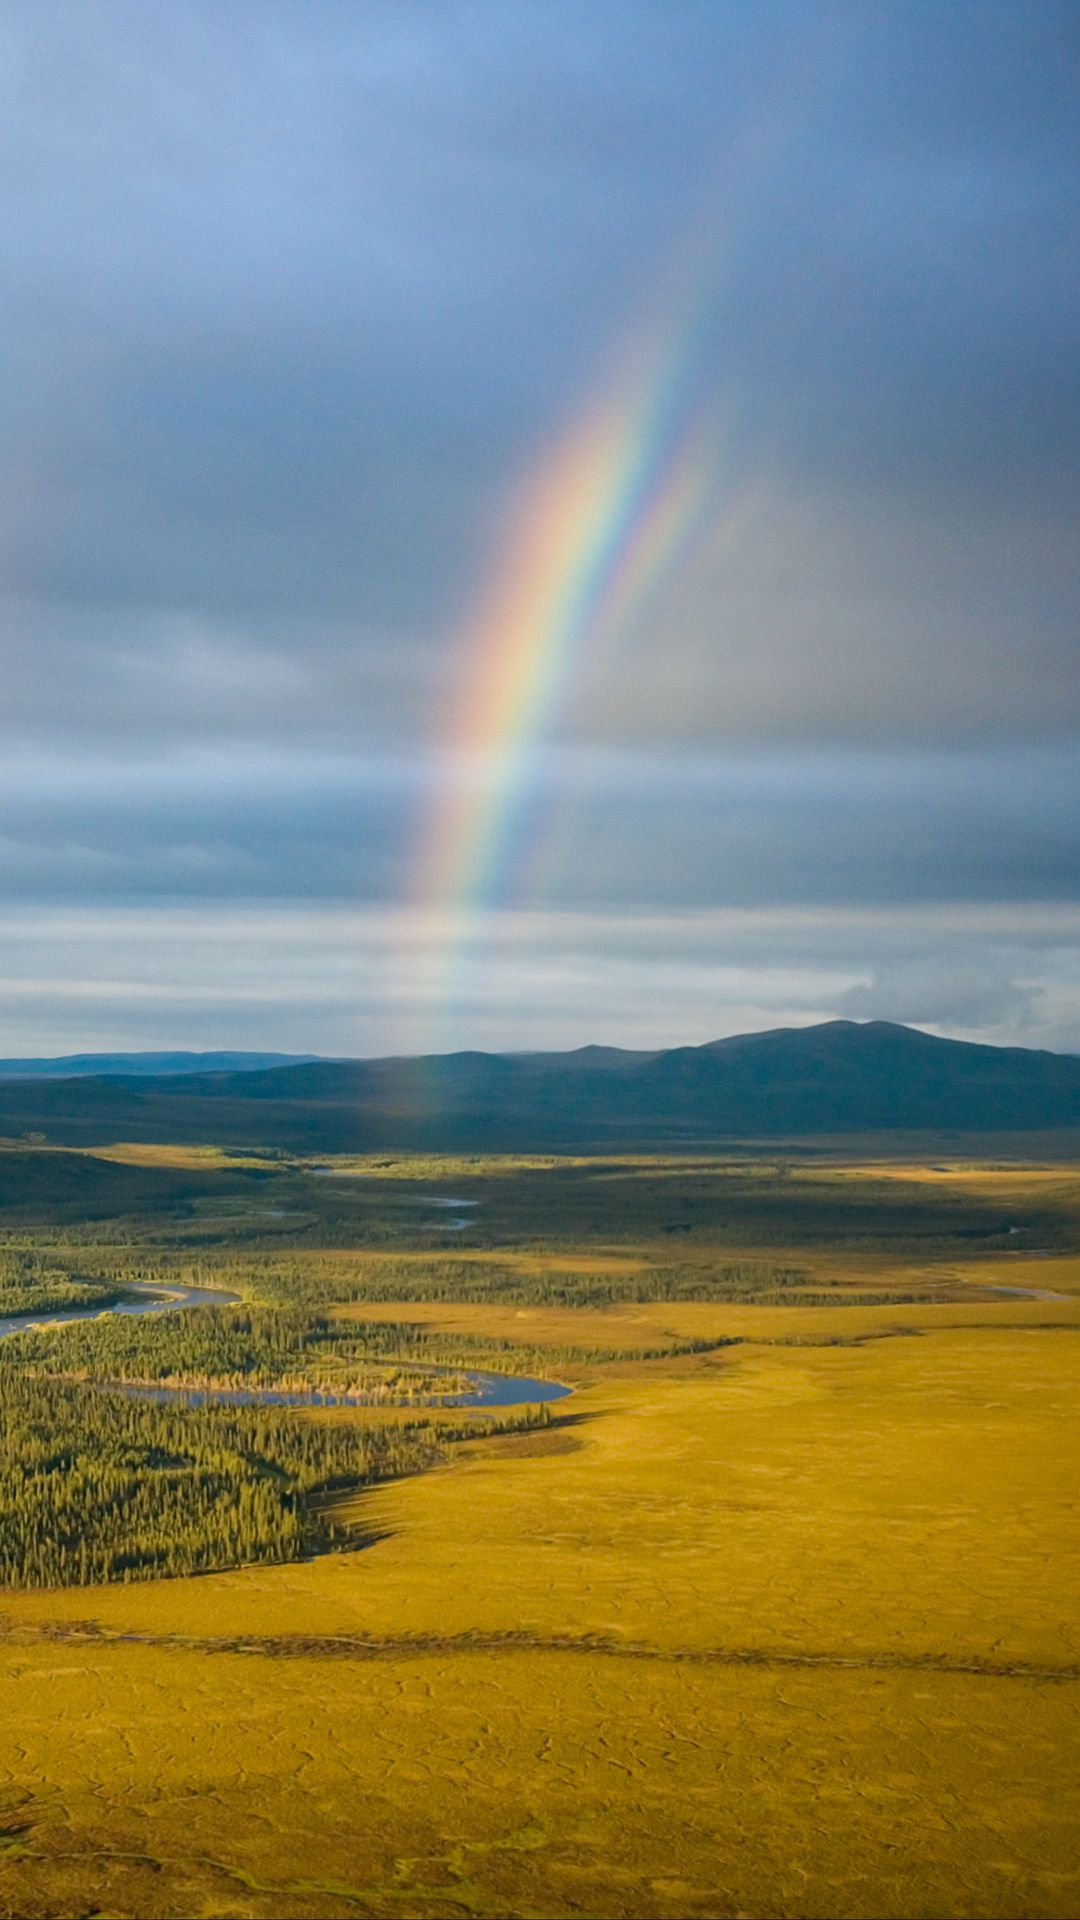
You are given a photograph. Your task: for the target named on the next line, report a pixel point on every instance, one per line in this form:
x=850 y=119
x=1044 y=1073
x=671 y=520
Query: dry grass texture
x=786 y=1630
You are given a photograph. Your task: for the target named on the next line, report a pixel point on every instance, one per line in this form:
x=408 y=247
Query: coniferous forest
x=97 y=1485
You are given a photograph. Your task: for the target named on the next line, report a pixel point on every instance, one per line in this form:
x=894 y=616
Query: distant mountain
x=838 y=1078
x=81 y=1066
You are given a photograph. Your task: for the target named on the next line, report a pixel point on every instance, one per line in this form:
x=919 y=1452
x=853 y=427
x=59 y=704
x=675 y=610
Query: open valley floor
x=775 y=1614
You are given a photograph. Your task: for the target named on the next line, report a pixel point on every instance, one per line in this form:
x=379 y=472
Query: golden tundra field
x=782 y=1627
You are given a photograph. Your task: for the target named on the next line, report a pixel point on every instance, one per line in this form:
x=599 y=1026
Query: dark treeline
x=33 y=1283
x=856 y=1297
x=326 y=1279
x=96 y=1486
x=323 y=1279
x=448 y=1279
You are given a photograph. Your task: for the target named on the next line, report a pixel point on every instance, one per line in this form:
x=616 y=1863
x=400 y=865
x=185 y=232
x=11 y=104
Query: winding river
x=138 y=1299
x=490 y=1389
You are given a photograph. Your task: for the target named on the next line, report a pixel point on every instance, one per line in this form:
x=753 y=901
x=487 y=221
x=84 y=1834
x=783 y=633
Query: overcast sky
x=296 y=296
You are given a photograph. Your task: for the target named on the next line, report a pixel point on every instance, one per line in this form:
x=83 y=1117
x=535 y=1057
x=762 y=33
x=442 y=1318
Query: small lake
x=452 y=1214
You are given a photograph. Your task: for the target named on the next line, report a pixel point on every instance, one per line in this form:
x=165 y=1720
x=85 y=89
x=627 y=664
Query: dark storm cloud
x=295 y=294
x=929 y=230
x=294 y=289
x=612 y=832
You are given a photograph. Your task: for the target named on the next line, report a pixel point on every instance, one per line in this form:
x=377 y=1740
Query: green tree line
x=98 y=1486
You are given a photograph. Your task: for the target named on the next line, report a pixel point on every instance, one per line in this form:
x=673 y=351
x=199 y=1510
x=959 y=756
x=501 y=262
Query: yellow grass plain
x=788 y=1629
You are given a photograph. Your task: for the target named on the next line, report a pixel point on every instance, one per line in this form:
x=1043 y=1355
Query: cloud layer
x=342 y=981
x=295 y=298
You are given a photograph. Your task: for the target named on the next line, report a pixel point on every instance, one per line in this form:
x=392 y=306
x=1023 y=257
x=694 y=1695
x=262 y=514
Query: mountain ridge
x=139 y=1064
x=838 y=1077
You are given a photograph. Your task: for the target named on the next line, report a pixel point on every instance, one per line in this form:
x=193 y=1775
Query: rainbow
x=601 y=522
x=598 y=524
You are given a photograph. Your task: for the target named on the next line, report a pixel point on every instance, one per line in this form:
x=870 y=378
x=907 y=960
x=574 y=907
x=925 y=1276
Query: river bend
x=489 y=1389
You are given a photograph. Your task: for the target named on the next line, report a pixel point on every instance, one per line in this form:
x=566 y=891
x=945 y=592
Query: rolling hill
x=90 y=1066
x=838 y=1078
